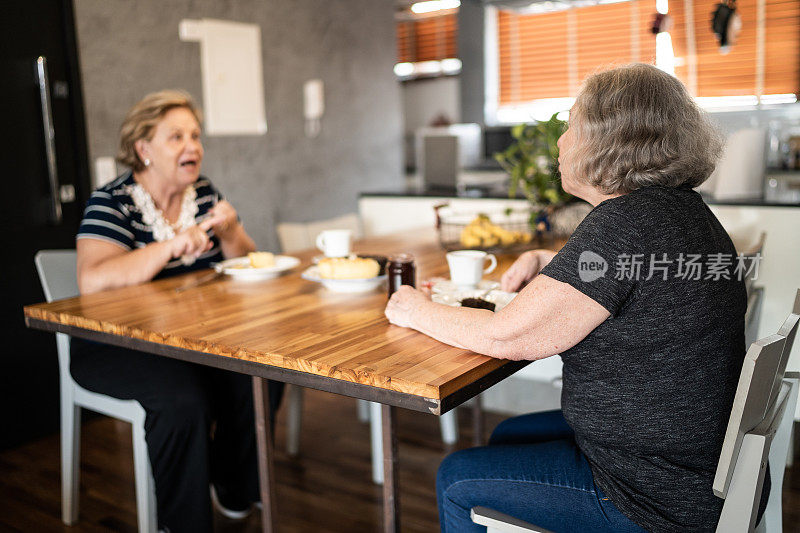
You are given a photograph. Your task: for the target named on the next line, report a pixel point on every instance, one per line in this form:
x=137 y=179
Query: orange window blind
x=427 y=39
x=533 y=56
x=546 y=55
x=736 y=73
x=614 y=34
x=731 y=74
x=782 y=54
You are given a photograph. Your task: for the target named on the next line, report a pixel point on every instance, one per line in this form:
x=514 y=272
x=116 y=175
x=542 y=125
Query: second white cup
x=466 y=266
x=334 y=242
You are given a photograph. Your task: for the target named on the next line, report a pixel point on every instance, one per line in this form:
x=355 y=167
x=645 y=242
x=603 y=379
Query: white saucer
x=499 y=298
x=449 y=286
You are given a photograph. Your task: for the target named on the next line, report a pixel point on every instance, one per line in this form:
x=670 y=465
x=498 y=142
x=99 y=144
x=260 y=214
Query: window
x=708 y=73
x=542 y=57
x=427 y=45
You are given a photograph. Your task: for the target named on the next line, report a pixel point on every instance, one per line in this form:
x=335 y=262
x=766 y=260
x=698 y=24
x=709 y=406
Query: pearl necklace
x=154 y=217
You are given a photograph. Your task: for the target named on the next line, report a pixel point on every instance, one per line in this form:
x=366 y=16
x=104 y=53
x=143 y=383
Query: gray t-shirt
x=649 y=391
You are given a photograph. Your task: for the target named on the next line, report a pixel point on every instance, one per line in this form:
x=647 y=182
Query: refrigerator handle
x=49 y=137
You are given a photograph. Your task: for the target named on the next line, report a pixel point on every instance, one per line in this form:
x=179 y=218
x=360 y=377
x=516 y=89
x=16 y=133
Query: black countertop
x=495 y=193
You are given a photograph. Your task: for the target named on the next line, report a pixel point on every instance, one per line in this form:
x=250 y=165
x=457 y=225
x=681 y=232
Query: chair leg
x=294 y=419
x=376 y=438
x=362 y=408
x=477 y=421
x=449 y=427
x=70 y=459
x=152 y=505
x=779 y=452
x=145 y=486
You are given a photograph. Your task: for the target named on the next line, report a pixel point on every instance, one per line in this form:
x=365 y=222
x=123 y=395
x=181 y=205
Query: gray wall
x=471 y=36
x=128 y=49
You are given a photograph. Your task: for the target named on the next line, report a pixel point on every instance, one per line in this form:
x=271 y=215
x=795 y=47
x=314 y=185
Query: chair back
x=750 y=404
x=756 y=397
x=295 y=236
x=58 y=273
x=788 y=330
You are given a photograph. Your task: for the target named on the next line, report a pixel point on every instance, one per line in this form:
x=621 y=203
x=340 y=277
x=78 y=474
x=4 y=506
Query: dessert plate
x=342 y=285
x=239 y=268
x=448 y=293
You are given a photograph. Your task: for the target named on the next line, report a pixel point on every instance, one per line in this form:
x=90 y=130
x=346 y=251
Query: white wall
x=423 y=101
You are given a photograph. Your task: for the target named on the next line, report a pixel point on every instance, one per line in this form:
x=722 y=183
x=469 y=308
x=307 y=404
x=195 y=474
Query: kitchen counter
x=494 y=192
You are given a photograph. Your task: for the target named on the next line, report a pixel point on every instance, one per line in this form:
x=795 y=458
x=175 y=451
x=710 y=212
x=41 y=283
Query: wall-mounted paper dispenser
x=313 y=106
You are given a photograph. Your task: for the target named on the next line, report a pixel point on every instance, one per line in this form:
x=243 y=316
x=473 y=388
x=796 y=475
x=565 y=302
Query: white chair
x=755 y=295
x=302 y=236
x=58 y=275
x=295 y=236
x=758 y=433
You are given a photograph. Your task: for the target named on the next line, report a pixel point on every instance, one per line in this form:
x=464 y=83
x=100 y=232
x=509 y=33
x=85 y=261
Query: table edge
x=406 y=400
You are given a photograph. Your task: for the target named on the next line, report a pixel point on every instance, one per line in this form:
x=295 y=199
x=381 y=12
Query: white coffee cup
x=334 y=242
x=466 y=266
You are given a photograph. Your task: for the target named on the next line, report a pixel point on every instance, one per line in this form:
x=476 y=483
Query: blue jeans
x=532 y=470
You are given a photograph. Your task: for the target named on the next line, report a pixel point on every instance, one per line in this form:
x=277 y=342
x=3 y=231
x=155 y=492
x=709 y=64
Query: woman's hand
x=192 y=241
x=233 y=239
x=402 y=305
x=223 y=219
x=525 y=268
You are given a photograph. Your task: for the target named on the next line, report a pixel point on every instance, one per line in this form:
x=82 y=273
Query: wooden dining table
x=295 y=331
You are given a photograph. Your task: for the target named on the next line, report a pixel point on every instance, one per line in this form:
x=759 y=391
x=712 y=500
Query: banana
x=481 y=233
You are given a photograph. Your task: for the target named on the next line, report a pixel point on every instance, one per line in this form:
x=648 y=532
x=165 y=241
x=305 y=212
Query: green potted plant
x=532 y=164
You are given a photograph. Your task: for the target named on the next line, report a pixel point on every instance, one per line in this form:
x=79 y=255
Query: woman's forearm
x=478 y=330
x=121 y=270
x=538 y=323
x=236 y=243
x=460 y=327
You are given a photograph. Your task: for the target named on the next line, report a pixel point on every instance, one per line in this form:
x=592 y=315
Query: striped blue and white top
x=112 y=216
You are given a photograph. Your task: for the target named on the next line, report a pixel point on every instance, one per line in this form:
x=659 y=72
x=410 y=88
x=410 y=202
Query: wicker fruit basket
x=505 y=231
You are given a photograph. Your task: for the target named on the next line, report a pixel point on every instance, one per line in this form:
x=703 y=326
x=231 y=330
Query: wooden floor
x=327 y=489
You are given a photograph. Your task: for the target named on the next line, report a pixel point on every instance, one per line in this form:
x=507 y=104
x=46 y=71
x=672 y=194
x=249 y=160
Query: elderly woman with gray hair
x=643 y=305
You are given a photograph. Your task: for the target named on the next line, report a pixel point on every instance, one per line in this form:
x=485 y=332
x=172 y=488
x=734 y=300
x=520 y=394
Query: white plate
x=343 y=285
x=239 y=268
x=454 y=295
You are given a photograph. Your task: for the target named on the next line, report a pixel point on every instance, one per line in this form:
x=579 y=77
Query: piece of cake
x=348 y=268
x=261 y=259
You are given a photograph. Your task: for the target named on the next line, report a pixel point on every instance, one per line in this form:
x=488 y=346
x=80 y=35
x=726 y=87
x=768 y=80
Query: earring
x=147 y=162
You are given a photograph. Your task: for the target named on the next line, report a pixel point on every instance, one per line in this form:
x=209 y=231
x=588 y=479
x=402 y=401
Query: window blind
x=735 y=73
x=782 y=54
x=427 y=39
x=546 y=55
x=537 y=59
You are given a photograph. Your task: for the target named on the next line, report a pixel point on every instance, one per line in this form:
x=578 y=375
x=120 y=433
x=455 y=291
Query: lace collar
x=153 y=216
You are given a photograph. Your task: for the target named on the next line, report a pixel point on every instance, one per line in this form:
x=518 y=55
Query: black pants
x=184 y=402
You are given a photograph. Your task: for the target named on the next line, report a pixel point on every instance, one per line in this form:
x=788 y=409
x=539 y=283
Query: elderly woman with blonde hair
x=652 y=343
x=162 y=218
